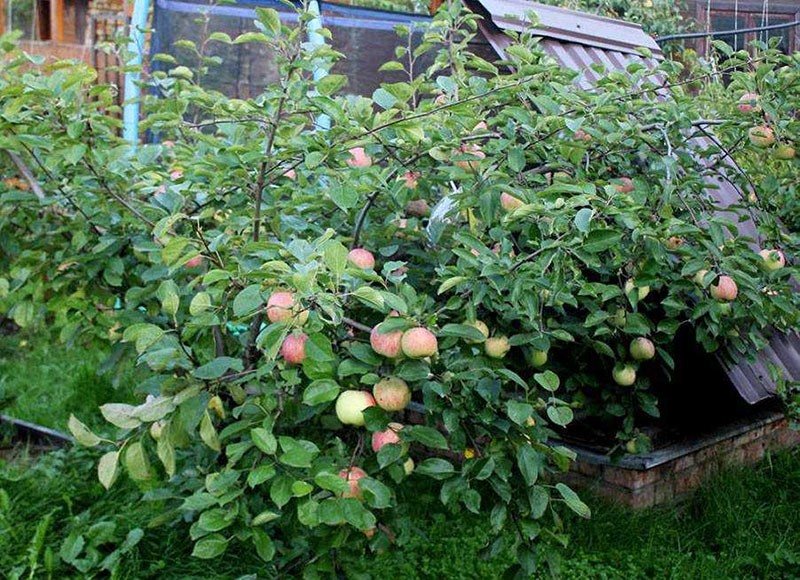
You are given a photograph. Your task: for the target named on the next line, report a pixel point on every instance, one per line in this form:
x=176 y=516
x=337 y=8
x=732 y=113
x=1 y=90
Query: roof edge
x=569 y=25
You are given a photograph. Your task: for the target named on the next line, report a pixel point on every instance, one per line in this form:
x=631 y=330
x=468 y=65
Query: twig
x=356 y=325
x=28 y=175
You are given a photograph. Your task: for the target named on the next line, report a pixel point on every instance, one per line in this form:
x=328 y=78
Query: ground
x=744 y=524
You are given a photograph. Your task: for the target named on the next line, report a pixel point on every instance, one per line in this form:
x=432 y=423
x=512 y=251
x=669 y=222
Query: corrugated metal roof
x=578 y=41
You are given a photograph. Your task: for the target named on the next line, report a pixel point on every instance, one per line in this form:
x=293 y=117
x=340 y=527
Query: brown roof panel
x=577 y=41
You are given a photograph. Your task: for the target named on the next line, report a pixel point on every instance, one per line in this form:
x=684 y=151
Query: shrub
x=243 y=426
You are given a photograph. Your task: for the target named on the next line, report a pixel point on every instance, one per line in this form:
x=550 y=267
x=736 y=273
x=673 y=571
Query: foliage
x=577 y=264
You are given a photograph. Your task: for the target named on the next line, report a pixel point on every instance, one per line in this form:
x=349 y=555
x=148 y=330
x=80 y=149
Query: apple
x=496 y=347
x=168 y=144
x=620 y=318
x=361 y=258
x=156 y=428
x=195 y=262
x=773 y=260
x=386 y=344
x=352 y=476
x=381 y=438
x=419 y=342
x=642 y=292
x=761 y=136
x=350 y=406
x=392 y=394
x=472 y=150
x=784 y=152
x=282 y=307
x=408 y=466
x=509 y=203
x=215 y=404
x=581 y=135
x=530 y=422
x=725 y=289
x=674 y=242
x=481 y=326
x=642 y=349
x=748 y=103
x=290 y=174
x=410 y=179
x=631 y=447
x=176 y=174
x=700 y=276
x=418 y=208
x=625 y=185
x=624 y=375
x=359 y=158
x=482 y=126
x=293 y=349
x=539 y=358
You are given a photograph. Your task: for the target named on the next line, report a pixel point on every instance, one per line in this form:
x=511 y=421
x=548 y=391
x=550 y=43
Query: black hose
x=725 y=32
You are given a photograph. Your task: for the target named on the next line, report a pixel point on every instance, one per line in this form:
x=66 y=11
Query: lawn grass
x=743 y=524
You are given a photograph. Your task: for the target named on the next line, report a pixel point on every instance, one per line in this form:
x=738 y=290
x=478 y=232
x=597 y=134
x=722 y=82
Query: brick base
x=673 y=478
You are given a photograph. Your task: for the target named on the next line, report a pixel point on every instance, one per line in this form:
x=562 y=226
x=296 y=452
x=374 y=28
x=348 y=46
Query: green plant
x=248 y=348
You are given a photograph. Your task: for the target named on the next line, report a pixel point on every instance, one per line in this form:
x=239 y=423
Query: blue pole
x=130 y=113
x=316 y=39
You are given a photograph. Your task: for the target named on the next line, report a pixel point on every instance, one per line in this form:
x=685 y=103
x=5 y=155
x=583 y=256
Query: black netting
x=366 y=38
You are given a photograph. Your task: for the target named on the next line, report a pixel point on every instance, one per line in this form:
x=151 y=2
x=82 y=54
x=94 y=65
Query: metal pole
x=130 y=115
x=316 y=39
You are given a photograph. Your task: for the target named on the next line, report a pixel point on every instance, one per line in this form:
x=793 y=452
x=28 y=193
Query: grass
x=743 y=524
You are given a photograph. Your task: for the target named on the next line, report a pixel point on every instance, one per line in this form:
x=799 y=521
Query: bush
x=569 y=222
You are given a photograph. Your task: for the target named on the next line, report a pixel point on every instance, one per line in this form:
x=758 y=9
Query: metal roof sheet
x=578 y=41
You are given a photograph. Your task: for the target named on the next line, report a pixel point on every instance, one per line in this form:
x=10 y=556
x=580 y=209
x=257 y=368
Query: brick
x=664 y=492
x=688 y=479
x=643 y=497
x=683 y=462
x=754 y=452
x=629 y=478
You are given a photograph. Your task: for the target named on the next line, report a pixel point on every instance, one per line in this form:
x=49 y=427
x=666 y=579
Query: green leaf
x=384 y=99
x=281 y=490
x=215 y=519
x=208 y=433
x=436 y=468
x=548 y=380
x=519 y=412
x=516 y=159
x=144 y=335
x=583 y=218
x=166 y=450
x=450 y=283
x=264 y=440
x=428 y=436
x=108 y=468
x=599 y=240
x=264 y=546
x=371 y=297
x=331 y=84
x=270 y=19
x=121 y=415
x=210 y=547
x=538 y=498
x=260 y=474
x=301 y=488
x=561 y=416
x=529 y=462
x=335 y=256
x=200 y=303
x=264 y=518
x=247 y=301
x=217 y=368
x=321 y=391
x=332 y=482
x=377 y=494
x=83 y=435
x=462 y=331
x=573 y=501
x=136 y=462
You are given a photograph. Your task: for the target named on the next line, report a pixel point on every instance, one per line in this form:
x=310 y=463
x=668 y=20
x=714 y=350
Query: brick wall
x=640 y=488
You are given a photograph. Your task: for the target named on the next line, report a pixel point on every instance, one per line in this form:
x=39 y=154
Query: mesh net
x=366 y=37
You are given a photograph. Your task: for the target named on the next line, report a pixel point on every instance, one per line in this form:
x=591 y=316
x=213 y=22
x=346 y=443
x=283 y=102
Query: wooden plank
x=57 y=20
x=2 y=16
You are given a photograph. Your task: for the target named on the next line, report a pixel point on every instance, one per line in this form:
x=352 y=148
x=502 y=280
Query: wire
x=726 y=32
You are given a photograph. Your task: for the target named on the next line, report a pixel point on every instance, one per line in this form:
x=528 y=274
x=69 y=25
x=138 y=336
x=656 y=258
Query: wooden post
x=2 y=16
x=57 y=20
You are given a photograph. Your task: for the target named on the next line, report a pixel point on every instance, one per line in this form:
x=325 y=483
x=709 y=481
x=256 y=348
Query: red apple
x=388 y=437
x=350 y=407
x=195 y=262
x=386 y=344
x=725 y=289
x=761 y=136
x=497 y=347
x=509 y=203
x=293 y=349
x=290 y=174
x=784 y=152
x=419 y=343
x=674 y=242
x=361 y=258
x=352 y=476
x=472 y=150
x=410 y=179
x=748 y=103
x=359 y=158
x=581 y=135
x=392 y=394
x=282 y=307
x=625 y=185
x=418 y=208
